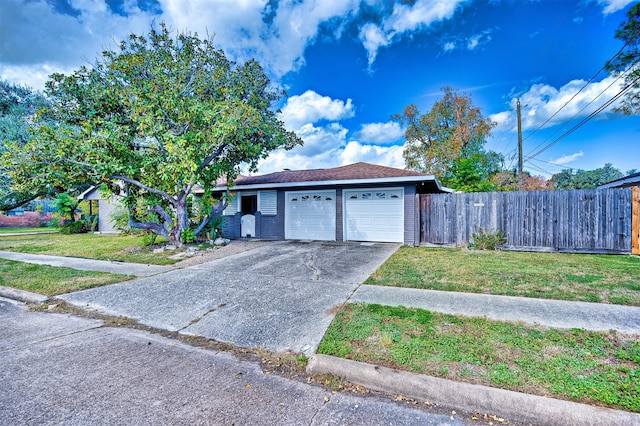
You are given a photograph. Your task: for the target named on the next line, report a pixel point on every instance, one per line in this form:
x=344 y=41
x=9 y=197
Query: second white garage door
x=374 y=215
x=310 y=215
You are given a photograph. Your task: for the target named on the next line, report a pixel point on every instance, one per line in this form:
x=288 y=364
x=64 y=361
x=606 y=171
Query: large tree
x=628 y=61
x=18 y=108
x=152 y=120
x=451 y=130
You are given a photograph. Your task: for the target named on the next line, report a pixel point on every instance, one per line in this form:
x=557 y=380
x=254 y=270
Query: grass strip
x=579 y=277
x=599 y=368
x=52 y=280
x=27 y=230
x=122 y=248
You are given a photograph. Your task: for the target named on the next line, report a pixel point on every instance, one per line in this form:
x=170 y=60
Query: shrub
x=77 y=227
x=187 y=236
x=483 y=240
x=149 y=239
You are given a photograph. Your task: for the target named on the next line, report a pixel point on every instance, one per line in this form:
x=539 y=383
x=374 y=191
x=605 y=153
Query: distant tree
x=585 y=179
x=451 y=130
x=628 y=61
x=474 y=173
x=153 y=119
x=509 y=181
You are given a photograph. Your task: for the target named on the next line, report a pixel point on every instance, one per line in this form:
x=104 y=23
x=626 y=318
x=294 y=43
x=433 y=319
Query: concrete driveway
x=281 y=296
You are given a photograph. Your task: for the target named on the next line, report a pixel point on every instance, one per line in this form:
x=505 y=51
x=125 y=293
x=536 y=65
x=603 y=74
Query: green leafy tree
x=473 y=173
x=18 y=108
x=67 y=206
x=628 y=62
x=451 y=130
x=152 y=120
x=585 y=179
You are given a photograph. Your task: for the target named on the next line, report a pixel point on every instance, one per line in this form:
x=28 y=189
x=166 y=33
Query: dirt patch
x=234 y=247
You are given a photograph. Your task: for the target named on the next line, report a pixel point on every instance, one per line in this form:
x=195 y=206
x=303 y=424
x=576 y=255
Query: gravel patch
x=234 y=247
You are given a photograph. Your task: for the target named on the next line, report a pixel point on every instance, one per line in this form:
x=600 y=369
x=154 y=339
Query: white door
x=374 y=215
x=310 y=215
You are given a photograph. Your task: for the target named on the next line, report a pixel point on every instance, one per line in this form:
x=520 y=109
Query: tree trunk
x=182 y=219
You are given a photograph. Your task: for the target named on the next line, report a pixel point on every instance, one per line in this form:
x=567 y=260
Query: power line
x=576 y=94
x=589 y=117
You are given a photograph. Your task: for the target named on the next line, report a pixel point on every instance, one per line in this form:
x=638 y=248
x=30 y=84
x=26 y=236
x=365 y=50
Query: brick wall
x=30 y=219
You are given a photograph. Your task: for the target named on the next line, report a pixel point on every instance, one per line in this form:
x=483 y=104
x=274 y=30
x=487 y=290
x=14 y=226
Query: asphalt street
x=62 y=369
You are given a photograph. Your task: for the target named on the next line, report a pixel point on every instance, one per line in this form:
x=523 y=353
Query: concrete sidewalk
x=552 y=313
x=137 y=269
x=284 y=295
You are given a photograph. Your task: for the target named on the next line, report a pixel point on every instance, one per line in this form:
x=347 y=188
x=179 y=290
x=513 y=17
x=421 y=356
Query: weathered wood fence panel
x=594 y=221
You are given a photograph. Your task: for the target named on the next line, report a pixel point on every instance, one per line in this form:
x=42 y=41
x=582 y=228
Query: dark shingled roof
x=349 y=172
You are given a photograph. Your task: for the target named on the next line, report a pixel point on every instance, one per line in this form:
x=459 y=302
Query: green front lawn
x=52 y=280
x=124 y=248
x=27 y=230
x=589 y=367
x=581 y=277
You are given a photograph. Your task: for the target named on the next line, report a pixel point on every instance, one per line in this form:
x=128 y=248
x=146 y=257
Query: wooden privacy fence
x=586 y=221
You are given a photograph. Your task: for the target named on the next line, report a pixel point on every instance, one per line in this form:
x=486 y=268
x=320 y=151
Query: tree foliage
x=474 y=173
x=152 y=120
x=18 y=108
x=449 y=138
x=585 y=179
x=628 y=62
x=510 y=181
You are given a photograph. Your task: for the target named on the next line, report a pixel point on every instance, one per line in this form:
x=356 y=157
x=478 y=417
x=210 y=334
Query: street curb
x=473 y=398
x=22 y=295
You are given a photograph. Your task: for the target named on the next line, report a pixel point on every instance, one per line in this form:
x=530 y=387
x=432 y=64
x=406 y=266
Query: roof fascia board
x=399 y=179
x=620 y=182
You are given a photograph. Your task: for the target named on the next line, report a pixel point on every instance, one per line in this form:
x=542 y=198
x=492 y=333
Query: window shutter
x=268 y=202
x=232 y=208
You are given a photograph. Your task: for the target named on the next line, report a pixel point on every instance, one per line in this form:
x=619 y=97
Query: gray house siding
x=409 y=215
x=273 y=227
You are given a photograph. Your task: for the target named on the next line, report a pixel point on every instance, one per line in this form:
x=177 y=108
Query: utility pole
x=519 y=145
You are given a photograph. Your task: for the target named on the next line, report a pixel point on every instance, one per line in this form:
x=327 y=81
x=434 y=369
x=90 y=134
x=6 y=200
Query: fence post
x=635 y=220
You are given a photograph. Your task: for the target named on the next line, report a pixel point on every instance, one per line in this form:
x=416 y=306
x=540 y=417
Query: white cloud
x=542 y=101
x=310 y=107
x=279 y=160
x=275 y=34
x=611 y=6
x=390 y=156
x=373 y=38
x=566 y=159
x=380 y=133
x=320 y=139
x=405 y=18
x=449 y=46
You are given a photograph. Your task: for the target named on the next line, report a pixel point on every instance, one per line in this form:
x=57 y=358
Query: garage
x=374 y=215
x=310 y=215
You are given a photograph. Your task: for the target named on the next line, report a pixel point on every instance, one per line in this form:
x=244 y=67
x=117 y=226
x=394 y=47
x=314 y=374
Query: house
x=356 y=202
x=625 y=182
x=103 y=207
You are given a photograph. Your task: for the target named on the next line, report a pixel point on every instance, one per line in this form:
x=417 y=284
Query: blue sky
x=349 y=65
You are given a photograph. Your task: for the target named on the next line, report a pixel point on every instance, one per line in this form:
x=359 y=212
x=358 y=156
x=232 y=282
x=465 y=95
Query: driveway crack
x=200 y=318
x=310 y=262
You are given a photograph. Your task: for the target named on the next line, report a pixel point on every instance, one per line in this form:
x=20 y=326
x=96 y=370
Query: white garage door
x=310 y=215
x=374 y=215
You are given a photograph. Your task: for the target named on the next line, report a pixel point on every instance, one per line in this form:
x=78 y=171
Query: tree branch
x=139 y=184
x=215 y=210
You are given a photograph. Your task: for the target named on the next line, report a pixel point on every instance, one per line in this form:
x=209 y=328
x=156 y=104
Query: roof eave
x=371 y=181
